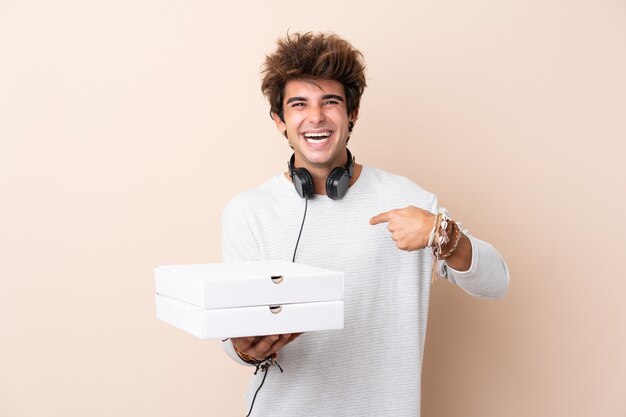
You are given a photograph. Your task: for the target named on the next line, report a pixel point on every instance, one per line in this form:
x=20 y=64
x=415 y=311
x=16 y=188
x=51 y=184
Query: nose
x=316 y=115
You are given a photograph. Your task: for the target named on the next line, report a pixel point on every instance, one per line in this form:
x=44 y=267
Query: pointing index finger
x=380 y=218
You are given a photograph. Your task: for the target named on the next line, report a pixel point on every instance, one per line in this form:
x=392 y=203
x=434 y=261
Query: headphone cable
x=306 y=203
x=265 y=364
x=264 y=367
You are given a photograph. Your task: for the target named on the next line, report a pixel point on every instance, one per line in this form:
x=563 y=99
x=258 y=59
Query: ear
x=280 y=125
x=354 y=115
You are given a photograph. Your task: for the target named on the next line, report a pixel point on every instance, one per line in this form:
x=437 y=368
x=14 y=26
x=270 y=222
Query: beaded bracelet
x=455 y=244
x=441 y=237
x=441 y=234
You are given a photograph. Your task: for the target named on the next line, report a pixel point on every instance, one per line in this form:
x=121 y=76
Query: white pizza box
x=221 y=323
x=255 y=298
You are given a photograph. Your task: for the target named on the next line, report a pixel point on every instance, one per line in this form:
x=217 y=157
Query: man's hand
x=410 y=227
x=260 y=347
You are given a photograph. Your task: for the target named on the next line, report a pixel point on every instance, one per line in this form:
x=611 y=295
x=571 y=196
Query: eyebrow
x=333 y=96
x=324 y=97
x=292 y=99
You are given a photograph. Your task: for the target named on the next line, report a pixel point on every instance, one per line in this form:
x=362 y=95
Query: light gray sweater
x=372 y=367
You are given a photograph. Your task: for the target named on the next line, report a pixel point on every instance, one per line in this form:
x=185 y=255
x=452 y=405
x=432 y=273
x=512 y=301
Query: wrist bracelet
x=246 y=358
x=455 y=244
x=431 y=237
x=442 y=236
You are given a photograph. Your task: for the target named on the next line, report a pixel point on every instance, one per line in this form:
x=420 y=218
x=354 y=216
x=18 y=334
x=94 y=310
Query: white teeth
x=317 y=135
x=311 y=140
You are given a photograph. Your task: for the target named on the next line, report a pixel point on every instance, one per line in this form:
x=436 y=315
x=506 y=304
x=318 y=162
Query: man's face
x=316 y=122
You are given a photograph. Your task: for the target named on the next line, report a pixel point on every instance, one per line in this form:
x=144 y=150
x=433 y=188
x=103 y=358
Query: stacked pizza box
x=256 y=298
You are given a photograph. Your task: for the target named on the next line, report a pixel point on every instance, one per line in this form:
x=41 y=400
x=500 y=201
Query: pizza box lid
x=253 y=283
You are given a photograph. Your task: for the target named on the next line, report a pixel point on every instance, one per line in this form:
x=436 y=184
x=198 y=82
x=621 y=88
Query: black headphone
x=337 y=182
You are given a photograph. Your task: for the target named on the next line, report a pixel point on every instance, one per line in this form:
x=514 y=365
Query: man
x=373 y=366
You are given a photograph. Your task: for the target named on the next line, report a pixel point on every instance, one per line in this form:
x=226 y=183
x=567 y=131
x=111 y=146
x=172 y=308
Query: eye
x=329 y=102
x=297 y=104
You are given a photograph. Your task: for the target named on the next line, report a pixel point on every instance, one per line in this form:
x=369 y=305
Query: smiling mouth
x=317 y=137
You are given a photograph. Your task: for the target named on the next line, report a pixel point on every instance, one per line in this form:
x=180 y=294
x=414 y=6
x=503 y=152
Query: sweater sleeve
x=238 y=244
x=238 y=240
x=488 y=276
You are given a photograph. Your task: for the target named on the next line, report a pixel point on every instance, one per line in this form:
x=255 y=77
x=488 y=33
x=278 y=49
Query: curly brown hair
x=313 y=56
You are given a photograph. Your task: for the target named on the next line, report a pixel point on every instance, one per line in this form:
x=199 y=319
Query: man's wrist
x=461 y=259
x=455 y=236
x=245 y=357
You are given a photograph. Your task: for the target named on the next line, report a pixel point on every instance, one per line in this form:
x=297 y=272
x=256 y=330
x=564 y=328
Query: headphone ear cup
x=337 y=183
x=303 y=182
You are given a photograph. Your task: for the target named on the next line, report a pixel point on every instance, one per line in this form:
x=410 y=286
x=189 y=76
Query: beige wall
x=125 y=126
